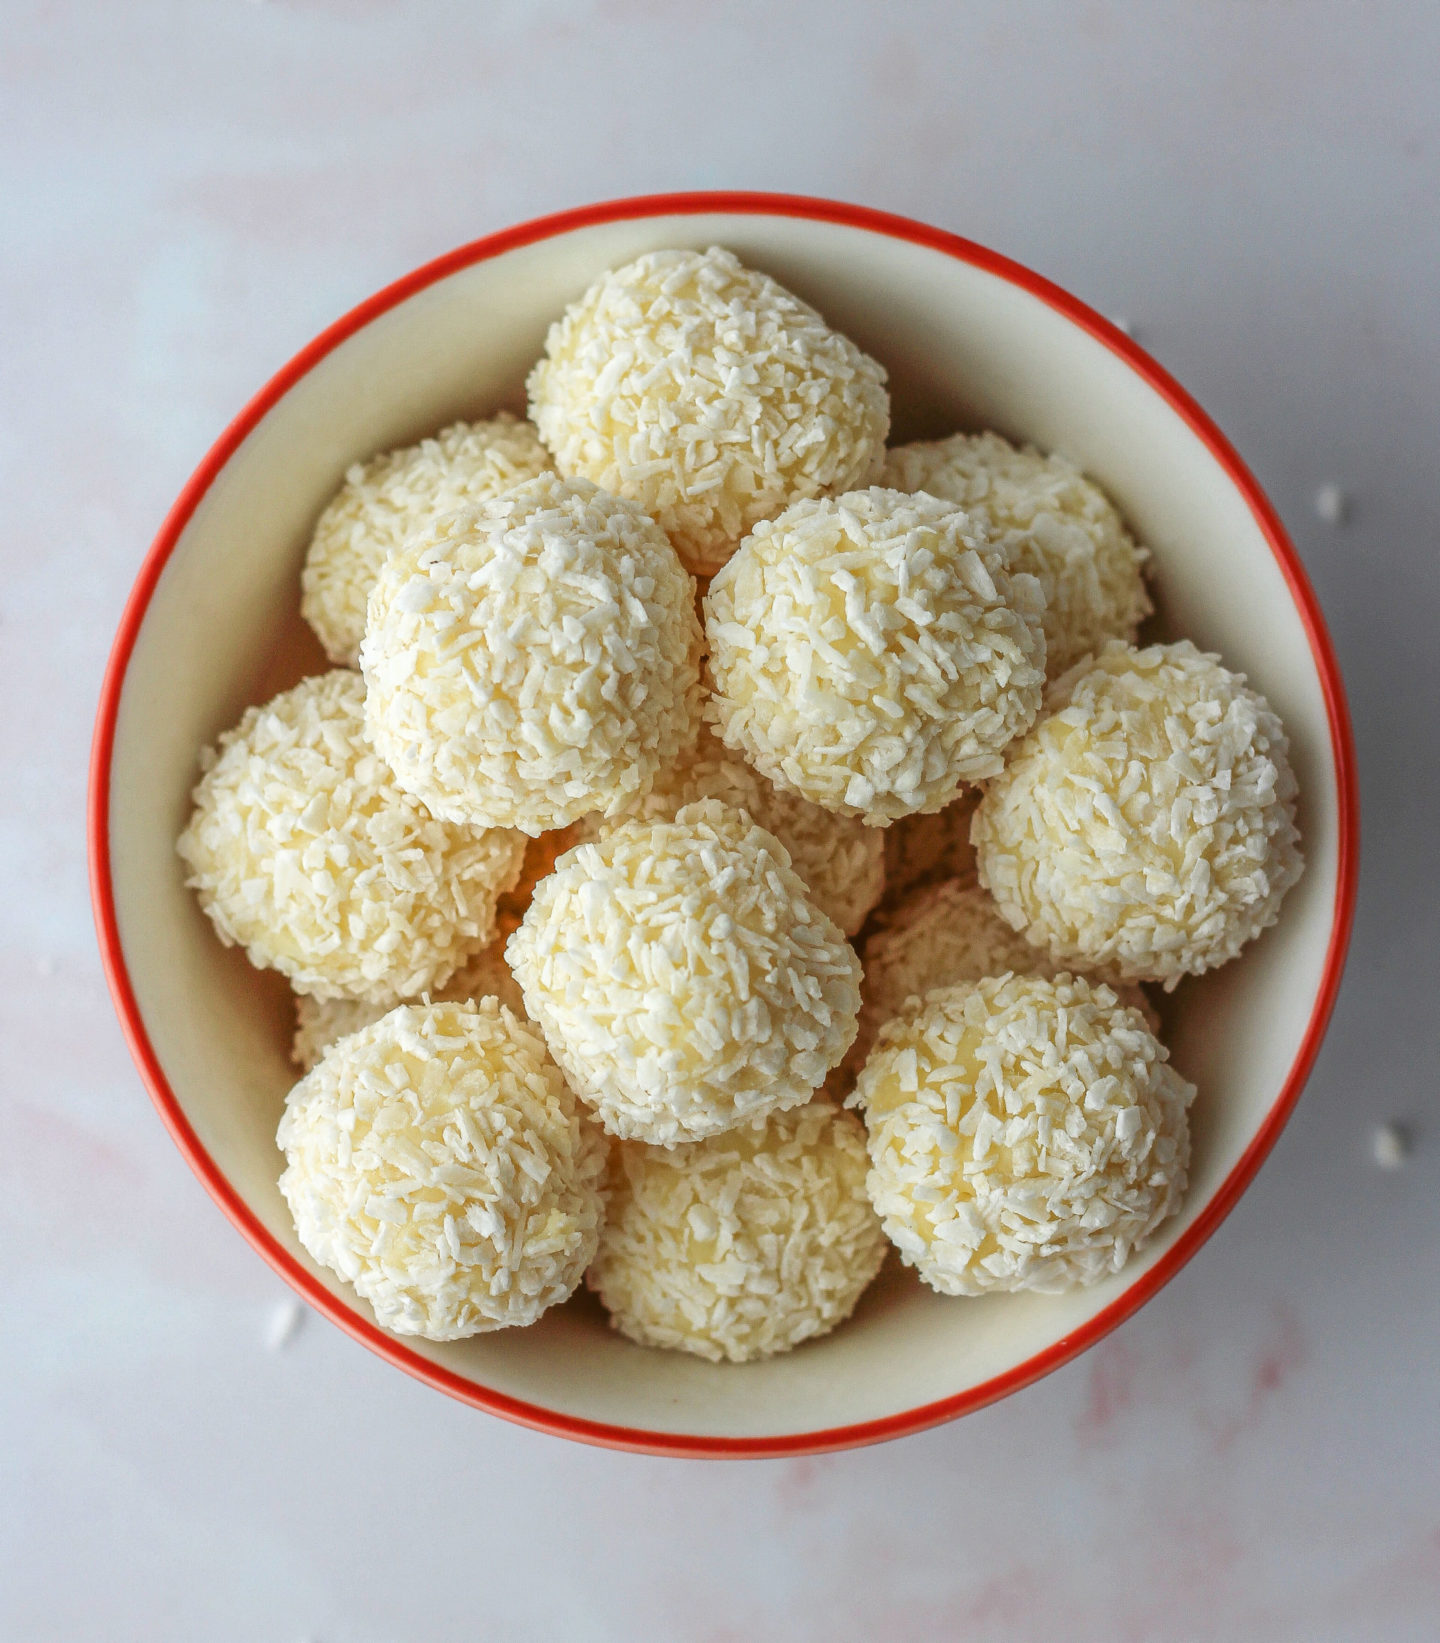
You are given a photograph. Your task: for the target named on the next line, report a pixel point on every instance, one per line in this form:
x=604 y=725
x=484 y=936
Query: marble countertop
x=189 y=193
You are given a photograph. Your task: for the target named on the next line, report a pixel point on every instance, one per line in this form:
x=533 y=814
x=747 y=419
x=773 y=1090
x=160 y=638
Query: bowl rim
x=392 y=1348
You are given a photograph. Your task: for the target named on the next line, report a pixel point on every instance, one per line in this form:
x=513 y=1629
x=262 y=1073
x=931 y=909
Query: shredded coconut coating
x=1024 y=1134
x=321 y=1022
x=743 y=1245
x=533 y=660
x=385 y=501
x=683 y=977
x=708 y=394
x=1147 y=823
x=923 y=849
x=948 y=933
x=305 y=852
x=1052 y=522
x=872 y=653
x=841 y=861
x=437 y=1162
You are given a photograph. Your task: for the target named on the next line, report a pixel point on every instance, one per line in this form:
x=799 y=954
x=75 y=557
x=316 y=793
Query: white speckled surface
x=186 y=195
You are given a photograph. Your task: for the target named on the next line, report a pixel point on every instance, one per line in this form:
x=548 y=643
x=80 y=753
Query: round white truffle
x=1024 y=1134
x=840 y=859
x=534 y=660
x=683 y=977
x=948 y=933
x=872 y=653
x=305 y=852
x=708 y=394
x=743 y=1245
x=1052 y=521
x=1147 y=823
x=437 y=1161
x=385 y=501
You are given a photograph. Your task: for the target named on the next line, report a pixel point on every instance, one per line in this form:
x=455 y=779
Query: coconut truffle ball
x=948 y=933
x=534 y=660
x=841 y=861
x=386 y=500
x=708 y=394
x=438 y=1163
x=1052 y=521
x=743 y=1245
x=305 y=852
x=683 y=977
x=321 y=1022
x=1024 y=1134
x=872 y=653
x=925 y=848
x=1147 y=823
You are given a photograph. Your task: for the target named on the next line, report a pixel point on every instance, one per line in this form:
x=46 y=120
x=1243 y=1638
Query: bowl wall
x=969 y=342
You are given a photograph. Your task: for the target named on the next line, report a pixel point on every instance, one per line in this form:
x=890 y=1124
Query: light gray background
x=187 y=193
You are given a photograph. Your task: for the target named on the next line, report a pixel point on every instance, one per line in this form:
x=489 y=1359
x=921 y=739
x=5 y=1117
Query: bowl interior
x=965 y=348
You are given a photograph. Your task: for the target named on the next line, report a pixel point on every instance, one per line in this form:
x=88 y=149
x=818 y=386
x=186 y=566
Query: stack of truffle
x=565 y=876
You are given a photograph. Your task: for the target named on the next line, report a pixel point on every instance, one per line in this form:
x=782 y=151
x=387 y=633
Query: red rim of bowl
x=389 y=1346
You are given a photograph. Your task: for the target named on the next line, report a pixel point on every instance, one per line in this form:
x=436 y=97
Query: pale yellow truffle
x=1052 y=521
x=743 y=1245
x=437 y=1162
x=708 y=394
x=948 y=933
x=305 y=851
x=534 y=660
x=1024 y=1134
x=321 y=1022
x=1147 y=822
x=385 y=501
x=683 y=977
x=840 y=859
x=873 y=654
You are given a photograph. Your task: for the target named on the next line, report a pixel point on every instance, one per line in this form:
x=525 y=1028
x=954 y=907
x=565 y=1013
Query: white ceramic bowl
x=970 y=340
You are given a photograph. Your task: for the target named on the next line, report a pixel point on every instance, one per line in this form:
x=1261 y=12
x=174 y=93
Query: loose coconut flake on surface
x=708 y=394
x=533 y=660
x=1146 y=824
x=386 y=500
x=872 y=653
x=303 y=850
x=437 y=1162
x=1024 y=1134
x=683 y=977
x=1051 y=521
x=743 y=1245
